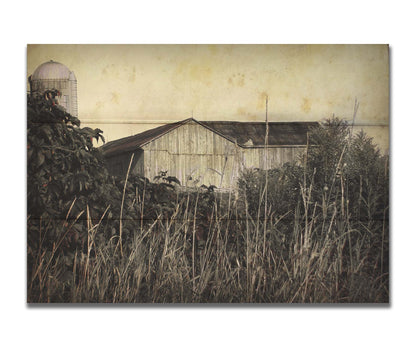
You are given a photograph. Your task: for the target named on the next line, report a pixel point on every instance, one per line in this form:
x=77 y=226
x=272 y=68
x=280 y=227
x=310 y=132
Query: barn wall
x=191 y=150
x=118 y=164
x=276 y=156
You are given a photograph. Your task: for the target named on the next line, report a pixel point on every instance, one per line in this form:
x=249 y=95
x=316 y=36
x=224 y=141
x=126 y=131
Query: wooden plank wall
x=194 y=151
x=276 y=156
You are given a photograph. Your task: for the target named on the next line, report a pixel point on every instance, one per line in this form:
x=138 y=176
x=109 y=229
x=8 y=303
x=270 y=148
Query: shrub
x=339 y=191
x=70 y=194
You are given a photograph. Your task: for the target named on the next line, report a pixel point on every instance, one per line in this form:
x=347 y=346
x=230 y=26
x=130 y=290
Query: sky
x=126 y=89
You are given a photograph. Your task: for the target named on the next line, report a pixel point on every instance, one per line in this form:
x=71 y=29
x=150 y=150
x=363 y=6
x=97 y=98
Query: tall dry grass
x=308 y=256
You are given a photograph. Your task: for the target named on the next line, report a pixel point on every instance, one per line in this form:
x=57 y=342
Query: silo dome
x=51 y=70
x=54 y=75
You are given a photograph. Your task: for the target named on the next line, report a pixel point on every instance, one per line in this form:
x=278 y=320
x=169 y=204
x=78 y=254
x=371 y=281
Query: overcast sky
x=125 y=89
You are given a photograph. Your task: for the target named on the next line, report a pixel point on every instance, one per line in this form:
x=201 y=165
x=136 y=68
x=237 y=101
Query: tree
x=326 y=152
x=64 y=170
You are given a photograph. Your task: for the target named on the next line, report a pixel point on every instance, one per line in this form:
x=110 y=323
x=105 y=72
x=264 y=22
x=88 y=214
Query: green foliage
x=69 y=190
x=283 y=190
x=64 y=173
x=337 y=168
x=367 y=173
x=326 y=151
x=62 y=162
x=341 y=181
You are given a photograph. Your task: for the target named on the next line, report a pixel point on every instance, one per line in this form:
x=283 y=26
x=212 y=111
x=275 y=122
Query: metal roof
x=245 y=134
x=249 y=134
x=133 y=142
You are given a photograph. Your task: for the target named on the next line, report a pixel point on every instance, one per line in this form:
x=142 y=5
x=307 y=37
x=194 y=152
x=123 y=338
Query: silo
x=54 y=75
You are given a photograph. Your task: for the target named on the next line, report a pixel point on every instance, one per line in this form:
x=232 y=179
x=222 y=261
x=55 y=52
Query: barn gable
x=194 y=154
x=131 y=143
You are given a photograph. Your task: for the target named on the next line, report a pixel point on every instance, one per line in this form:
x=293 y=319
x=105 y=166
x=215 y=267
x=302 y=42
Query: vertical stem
x=142 y=206
x=385 y=206
x=248 y=245
x=122 y=204
x=193 y=241
x=304 y=191
x=266 y=143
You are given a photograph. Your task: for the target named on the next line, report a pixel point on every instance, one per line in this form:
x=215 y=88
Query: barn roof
x=133 y=142
x=254 y=133
x=246 y=134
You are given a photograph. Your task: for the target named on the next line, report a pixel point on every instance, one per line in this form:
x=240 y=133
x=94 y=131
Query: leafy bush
x=63 y=167
x=69 y=190
x=283 y=190
x=341 y=184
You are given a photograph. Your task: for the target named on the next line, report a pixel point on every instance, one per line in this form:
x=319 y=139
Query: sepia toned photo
x=208 y=174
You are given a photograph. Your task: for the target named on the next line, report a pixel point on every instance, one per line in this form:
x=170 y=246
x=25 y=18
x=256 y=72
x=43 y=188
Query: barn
x=207 y=152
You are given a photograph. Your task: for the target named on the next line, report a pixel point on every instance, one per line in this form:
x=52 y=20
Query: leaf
x=41 y=158
x=171 y=179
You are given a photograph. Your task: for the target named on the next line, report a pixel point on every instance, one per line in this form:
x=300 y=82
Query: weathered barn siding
x=192 y=150
x=276 y=156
